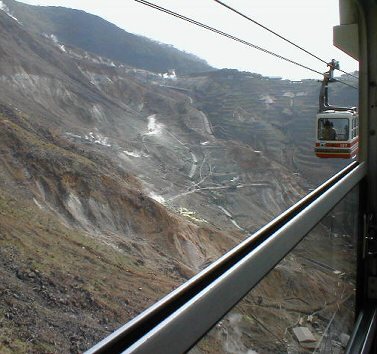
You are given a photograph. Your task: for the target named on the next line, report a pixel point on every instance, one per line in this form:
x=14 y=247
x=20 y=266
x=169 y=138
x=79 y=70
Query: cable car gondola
x=337 y=128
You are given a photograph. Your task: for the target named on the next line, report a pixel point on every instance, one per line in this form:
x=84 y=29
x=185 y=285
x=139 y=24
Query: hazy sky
x=306 y=22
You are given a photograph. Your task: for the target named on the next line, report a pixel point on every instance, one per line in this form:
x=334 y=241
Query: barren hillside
x=117 y=184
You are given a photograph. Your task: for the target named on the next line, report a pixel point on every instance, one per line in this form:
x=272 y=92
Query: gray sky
x=306 y=22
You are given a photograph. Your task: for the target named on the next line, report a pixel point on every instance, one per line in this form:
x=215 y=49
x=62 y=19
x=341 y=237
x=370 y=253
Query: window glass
x=333 y=129
x=306 y=303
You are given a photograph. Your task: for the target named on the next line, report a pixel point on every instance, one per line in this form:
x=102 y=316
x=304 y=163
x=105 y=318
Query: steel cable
x=278 y=35
x=227 y=35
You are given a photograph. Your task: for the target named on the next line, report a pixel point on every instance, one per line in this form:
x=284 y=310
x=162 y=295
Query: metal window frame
x=178 y=321
x=363 y=335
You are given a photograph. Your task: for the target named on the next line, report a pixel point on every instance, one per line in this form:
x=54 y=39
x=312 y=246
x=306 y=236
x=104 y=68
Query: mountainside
x=94 y=34
x=276 y=117
x=117 y=184
x=72 y=214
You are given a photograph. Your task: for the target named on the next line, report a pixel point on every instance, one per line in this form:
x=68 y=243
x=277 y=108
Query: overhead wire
x=345 y=83
x=227 y=35
x=278 y=35
x=175 y=14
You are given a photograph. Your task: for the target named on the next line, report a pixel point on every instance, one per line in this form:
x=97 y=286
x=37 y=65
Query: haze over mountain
x=92 y=33
x=118 y=183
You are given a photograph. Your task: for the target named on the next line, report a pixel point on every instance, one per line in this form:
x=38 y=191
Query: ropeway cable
x=175 y=14
x=227 y=35
x=278 y=35
x=344 y=83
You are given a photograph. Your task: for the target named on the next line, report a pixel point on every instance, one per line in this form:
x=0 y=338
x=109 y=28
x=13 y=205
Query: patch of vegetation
x=55 y=274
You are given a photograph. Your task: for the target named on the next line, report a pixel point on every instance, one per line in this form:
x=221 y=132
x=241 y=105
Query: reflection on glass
x=306 y=304
x=334 y=128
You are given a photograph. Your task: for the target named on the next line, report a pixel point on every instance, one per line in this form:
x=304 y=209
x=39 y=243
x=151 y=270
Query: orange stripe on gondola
x=337 y=155
x=339 y=145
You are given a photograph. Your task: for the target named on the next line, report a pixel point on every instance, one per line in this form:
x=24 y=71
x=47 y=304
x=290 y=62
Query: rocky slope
x=81 y=244
x=74 y=219
x=117 y=184
x=276 y=117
